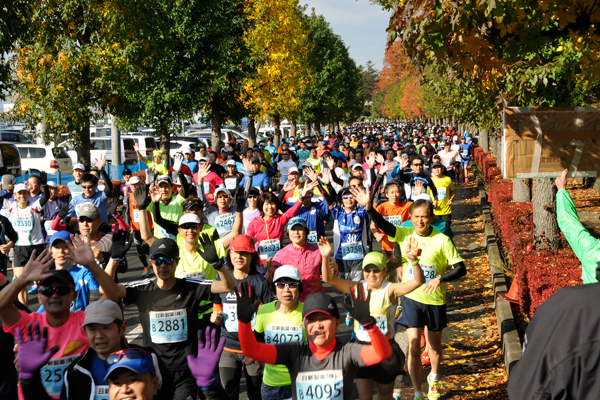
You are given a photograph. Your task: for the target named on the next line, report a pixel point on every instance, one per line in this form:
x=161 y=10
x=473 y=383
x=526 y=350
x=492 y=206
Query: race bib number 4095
x=319 y=385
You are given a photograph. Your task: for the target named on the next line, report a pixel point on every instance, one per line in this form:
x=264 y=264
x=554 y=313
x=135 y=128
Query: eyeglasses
x=87 y=187
x=189 y=225
x=85 y=219
x=347 y=197
x=291 y=285
x=417 y=165
x=131 y=353
x=59 y=290
x=163 y=260
x=372 y=270
x=222 y=195
x=252 y=197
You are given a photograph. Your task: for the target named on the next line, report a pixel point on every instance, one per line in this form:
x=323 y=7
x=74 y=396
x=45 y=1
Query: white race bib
x=275 y=334
x=429 y=271
x=441 y=193
x=268 y=248
x=23 y=223
x=195 y=274
x=231 y=319
x=224 y=224
x=395 y=220
x=53 y=373
x=319 y=385
x=312 y=237
x=101 y=392
x=231 y=184
x=168 y=326
x=48 y=228
x=136 y=216
x=363 y=335
x=352 y=251
x=206 y=187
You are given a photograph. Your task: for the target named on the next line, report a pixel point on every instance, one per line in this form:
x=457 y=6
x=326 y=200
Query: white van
x=44 y=158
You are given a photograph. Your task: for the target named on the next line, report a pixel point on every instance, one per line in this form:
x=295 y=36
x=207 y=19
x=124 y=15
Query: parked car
x=101 y=146
x=147 y=144
x=44 y=158
x=10 y=159
x=226 y=134
x=13 y=136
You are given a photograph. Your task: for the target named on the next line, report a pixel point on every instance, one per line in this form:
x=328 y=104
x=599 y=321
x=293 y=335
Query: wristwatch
x=440 y=278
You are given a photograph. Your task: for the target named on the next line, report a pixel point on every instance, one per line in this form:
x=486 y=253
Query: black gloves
x=247 y=303
x=360 y=311
x=141 y=197
x=120 y=245
x=209 y=254
x=64 y=211
x=240 y=200
x=43 y=178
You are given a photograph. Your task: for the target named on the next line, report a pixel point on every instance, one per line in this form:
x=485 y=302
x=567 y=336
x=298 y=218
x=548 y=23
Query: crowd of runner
x=234 y=247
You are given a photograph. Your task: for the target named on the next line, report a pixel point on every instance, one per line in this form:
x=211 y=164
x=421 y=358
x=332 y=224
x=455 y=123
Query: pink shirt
x=308 y=260
x=72 y=342
x=270 y=230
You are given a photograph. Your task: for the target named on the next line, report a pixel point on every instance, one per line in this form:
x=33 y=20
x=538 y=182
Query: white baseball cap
x=134 y=179
x=222 y=189
x=287 y=271
x=187 y=150
x=20 y=187
x=189 y=218
x=357 y=165
x=231 y=162
x=52 y=184
x=79 y=166
x=292 y=170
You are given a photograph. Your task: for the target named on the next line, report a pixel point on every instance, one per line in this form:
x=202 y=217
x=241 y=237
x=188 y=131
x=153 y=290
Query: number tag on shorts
x=168 y=326
x=275 y=334
x=268 y=248
x=231 y=319
x=53 y=374
x=395 y=220
x=224 y=224
x=464 y=153
x=312 y=237
x=23 y=223
x=319 y=385
x=101 y=392
x=363 y=335
x=441 y=193
x=352 y=251
x=429 y=271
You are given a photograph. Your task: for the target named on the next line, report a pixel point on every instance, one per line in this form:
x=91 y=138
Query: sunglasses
x=347 y=197
x=189 y=225
x=87 y=187
x=163 y=260
x=372 y=270
x=59 y=290
x=85 y=219
x=417 y=165
x=222 y=195
x=285 y=154
x=131 y=353
x=252 y=197
x=291 y=285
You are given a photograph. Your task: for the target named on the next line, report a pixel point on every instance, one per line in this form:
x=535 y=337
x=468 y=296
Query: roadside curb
x=509 y=337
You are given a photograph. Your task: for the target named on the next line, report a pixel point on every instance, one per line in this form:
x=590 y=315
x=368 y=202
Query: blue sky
x=360 y=24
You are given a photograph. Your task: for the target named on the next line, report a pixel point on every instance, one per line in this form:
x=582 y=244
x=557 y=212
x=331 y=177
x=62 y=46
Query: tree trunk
x=484 y=139
x=307 y=128
x=277 y=136
x=337 y=127
x=545 y=227
x=293 y=128
x=115 y=138
x=521 y=190
x=165 y=141
x=318 y=128
x=83 y=146
x=216 y=122
x=251 y=133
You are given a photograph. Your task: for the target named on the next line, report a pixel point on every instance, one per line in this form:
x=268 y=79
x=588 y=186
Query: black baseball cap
x=164 y=247
x=320 y=302
x=58 y=275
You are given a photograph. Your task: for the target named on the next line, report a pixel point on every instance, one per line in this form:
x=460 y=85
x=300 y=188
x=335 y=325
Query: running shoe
x=425 y=359
x=349 y=319
x=146 y=271
x=34 y=289
x=423 y=342
x=434 y=389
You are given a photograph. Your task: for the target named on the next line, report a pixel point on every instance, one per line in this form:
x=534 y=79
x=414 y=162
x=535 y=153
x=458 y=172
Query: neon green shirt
x=158 y=168
x=279 y=328
x=193 y=265
x=172 y=212
x=437 y=252
x=444 y=187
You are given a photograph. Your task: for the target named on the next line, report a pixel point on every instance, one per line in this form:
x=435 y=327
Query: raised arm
x=209 y=254
x=143 y=201
x=363 y=199
x=336 y=282
x=238 y=223
x=411 y=252
x=136 y=147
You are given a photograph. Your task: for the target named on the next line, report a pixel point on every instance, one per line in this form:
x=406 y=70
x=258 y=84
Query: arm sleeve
x=458 y=271
x=432 y=188
x=584 y=245
x=378 y=350
x=108 y=183
x=184 y=184
x=376 y=185
x=266 y=353
x=167 y=225
x=281 y=195
x=336 y=179
x=9 y=231
x=291 y=212
x=44 y=199
x=385 y=226
x=33 y=389
x=205 y=203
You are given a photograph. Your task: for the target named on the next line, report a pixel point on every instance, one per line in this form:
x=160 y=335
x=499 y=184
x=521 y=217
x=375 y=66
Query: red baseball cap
x=242 y=243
